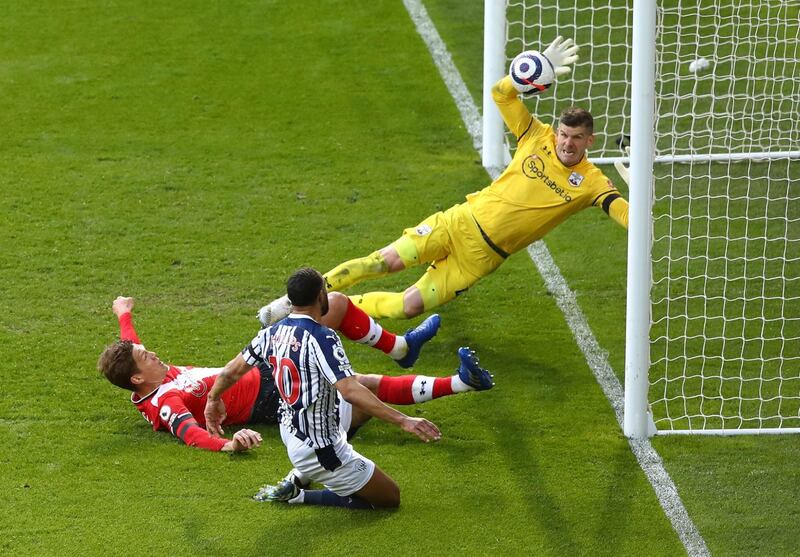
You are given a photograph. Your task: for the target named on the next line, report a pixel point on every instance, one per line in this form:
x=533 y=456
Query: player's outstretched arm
x=215 y=409
x=359 y=396
x=624 y=171
x=122 y=308
x=560 y=55
x=243 y=440
x=514 y=112
x=617 y=207
x=122 y=305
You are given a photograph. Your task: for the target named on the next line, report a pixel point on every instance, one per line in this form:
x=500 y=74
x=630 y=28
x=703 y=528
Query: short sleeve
x=331 y=357
x=257 y=351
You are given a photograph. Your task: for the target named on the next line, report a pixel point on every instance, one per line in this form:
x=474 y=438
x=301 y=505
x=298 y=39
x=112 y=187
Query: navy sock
x=330 y=499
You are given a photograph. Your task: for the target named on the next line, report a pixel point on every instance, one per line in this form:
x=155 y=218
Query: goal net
x=725 y=293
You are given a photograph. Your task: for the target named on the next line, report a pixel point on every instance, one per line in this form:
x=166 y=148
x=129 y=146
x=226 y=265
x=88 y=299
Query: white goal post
x=707 y=94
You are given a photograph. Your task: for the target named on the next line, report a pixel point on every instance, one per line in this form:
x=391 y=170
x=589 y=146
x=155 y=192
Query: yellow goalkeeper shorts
x=457 y=252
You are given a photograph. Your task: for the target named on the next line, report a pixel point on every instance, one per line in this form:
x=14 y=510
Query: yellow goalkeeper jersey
x=536 y=192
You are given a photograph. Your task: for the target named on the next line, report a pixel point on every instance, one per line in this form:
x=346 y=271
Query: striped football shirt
x=306 y=359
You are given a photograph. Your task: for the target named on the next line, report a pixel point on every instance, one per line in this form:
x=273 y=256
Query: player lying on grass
x=548 y=180
x=314 y=376
x=172 y=398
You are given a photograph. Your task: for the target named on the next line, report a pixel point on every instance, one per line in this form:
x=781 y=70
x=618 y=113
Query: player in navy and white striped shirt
x=314 y=377
x=307 y=359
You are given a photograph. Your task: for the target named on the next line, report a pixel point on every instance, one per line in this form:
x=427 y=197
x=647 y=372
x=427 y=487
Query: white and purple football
x=531 y=72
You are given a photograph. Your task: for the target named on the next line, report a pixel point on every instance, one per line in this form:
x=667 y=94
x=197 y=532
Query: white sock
x=422 y=388
x=299 y=500
x=374 y=334
x=459 y=386
x=293 y=475
x=400 y=348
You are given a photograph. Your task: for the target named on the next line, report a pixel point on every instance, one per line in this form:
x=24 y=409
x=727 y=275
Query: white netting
x=725 y=334
x=726 y=248
x=599 y=80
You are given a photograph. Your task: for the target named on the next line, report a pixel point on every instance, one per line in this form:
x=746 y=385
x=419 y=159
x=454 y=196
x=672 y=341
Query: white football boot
x=275 y=311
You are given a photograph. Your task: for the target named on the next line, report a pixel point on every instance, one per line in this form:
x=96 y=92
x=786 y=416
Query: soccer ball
x=531 y=72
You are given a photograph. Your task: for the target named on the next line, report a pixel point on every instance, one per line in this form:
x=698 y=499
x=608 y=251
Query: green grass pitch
x=192 y=154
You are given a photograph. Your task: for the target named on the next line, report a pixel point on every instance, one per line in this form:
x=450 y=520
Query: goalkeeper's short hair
x=575 y=117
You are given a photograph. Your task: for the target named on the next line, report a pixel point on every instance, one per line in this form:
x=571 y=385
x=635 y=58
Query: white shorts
x=345 y=414
x=349 y=477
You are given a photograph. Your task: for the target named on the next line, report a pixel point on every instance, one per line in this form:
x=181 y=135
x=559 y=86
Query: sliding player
x=173 y=398
x=548 y=180
x=315 y=379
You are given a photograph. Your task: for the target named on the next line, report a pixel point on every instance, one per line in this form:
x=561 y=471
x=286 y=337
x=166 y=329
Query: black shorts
x=267 y=405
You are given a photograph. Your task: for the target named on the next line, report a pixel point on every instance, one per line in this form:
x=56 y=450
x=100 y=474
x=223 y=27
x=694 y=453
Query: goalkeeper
x=548 y=180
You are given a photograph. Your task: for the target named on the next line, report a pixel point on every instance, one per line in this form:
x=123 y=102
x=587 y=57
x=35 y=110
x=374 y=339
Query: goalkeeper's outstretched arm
x=618 y=210
x=514 y=112
x=561 y=53
x=617 y=207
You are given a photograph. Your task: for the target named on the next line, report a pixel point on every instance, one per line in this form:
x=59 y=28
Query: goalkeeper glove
x=561 y=53
x=624 y=171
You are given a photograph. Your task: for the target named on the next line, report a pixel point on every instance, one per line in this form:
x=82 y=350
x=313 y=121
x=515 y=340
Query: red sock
x=442 y=386
x=410 y=389
x=360 y=327
x=396 y=390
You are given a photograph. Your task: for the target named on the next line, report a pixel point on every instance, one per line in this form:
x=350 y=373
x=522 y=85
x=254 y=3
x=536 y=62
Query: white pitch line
x=643 y=450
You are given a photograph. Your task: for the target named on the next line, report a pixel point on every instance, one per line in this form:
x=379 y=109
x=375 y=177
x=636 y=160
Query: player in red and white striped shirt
x=172 y=397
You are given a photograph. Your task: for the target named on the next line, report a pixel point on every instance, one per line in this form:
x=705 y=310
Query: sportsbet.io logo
x=533 y=167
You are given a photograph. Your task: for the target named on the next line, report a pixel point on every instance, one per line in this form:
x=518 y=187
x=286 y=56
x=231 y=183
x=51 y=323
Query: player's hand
x=215 y=415
x=243 y=440
x=624 y=171
x=561 y=53
x=422 y=428
x=122 y=305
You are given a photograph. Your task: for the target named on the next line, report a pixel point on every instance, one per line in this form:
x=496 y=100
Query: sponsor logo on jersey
x=575 y=179
x=533 y=167
x=192 y=385
x=360 y=465
x=424 y=230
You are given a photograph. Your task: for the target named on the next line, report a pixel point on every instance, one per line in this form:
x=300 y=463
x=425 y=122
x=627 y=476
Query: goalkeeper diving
x=548 y=180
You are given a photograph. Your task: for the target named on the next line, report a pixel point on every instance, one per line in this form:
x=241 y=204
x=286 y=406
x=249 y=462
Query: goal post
x=493 y=146
x=713 y=315
x=637 y=416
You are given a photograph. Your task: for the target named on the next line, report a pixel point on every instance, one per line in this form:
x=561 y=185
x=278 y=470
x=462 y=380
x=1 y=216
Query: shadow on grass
x=282 y=529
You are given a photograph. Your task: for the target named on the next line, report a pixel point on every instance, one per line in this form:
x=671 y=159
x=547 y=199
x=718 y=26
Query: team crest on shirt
x=575 y=179
x=423 y=230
